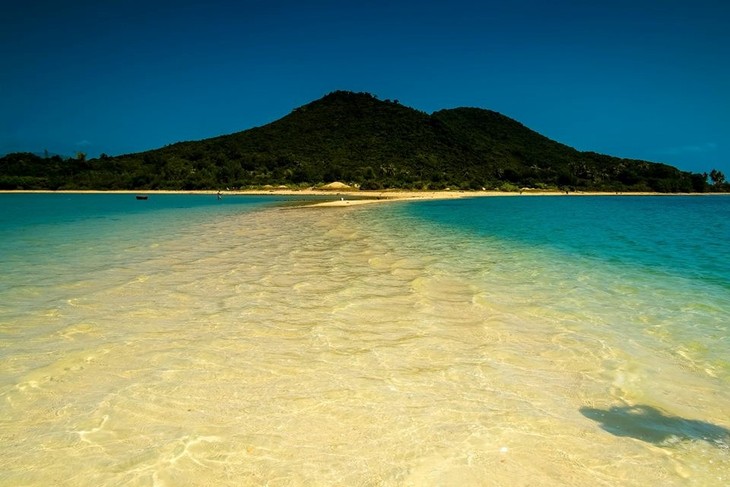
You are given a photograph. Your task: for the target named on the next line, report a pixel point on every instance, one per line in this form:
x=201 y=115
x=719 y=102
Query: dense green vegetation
x=358 y=139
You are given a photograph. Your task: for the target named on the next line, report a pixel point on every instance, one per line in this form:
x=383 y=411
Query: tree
x=717 y=177
x=699 y=182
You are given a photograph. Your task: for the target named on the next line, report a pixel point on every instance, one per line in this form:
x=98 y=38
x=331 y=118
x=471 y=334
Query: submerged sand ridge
x=320 y=348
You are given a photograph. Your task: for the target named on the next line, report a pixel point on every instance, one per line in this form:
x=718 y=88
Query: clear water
x=490 y=341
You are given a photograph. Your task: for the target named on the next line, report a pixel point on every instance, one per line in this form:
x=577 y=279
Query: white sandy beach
x=355 y=197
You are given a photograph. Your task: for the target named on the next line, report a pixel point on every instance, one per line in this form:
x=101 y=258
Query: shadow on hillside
x=649 y=424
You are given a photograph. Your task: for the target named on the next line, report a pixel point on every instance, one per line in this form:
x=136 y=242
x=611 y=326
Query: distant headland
x=369 y=144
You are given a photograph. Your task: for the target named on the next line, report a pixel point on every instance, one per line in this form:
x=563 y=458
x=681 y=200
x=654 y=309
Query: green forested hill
x=358 y=139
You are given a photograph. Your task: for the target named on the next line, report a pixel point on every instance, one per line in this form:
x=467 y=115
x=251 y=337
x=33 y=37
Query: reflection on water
x=649 y=424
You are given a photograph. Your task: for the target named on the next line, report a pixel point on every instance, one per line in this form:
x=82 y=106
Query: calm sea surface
x=506 y=341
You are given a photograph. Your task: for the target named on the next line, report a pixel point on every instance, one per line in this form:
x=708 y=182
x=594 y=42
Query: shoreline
x=345 y=198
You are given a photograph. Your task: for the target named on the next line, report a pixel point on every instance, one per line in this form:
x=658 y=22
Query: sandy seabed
x=283 y=348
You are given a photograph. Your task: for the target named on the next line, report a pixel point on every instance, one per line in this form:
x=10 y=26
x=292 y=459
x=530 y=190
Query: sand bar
x=354 y=197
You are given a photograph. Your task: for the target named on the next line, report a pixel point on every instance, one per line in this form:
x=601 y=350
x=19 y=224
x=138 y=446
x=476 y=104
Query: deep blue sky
x=646 y=79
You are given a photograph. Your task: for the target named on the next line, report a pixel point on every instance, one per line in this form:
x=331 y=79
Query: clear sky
x=646 y=79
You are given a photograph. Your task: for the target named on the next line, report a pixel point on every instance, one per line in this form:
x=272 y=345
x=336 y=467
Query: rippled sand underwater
x=349 y=346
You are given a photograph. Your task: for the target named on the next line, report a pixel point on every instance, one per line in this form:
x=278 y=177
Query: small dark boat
x=141 y=196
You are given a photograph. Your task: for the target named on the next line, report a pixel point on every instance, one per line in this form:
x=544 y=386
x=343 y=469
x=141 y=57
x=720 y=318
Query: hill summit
x=369 y=143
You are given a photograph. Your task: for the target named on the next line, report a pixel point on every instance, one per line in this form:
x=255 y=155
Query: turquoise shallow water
x=58 y=237
x=683 y=236
x=487 y=341
x=664 y=259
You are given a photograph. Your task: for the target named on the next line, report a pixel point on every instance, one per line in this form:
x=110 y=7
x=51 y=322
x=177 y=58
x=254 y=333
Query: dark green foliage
x=719 y=184
x=358 y=139
x=717 y=177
